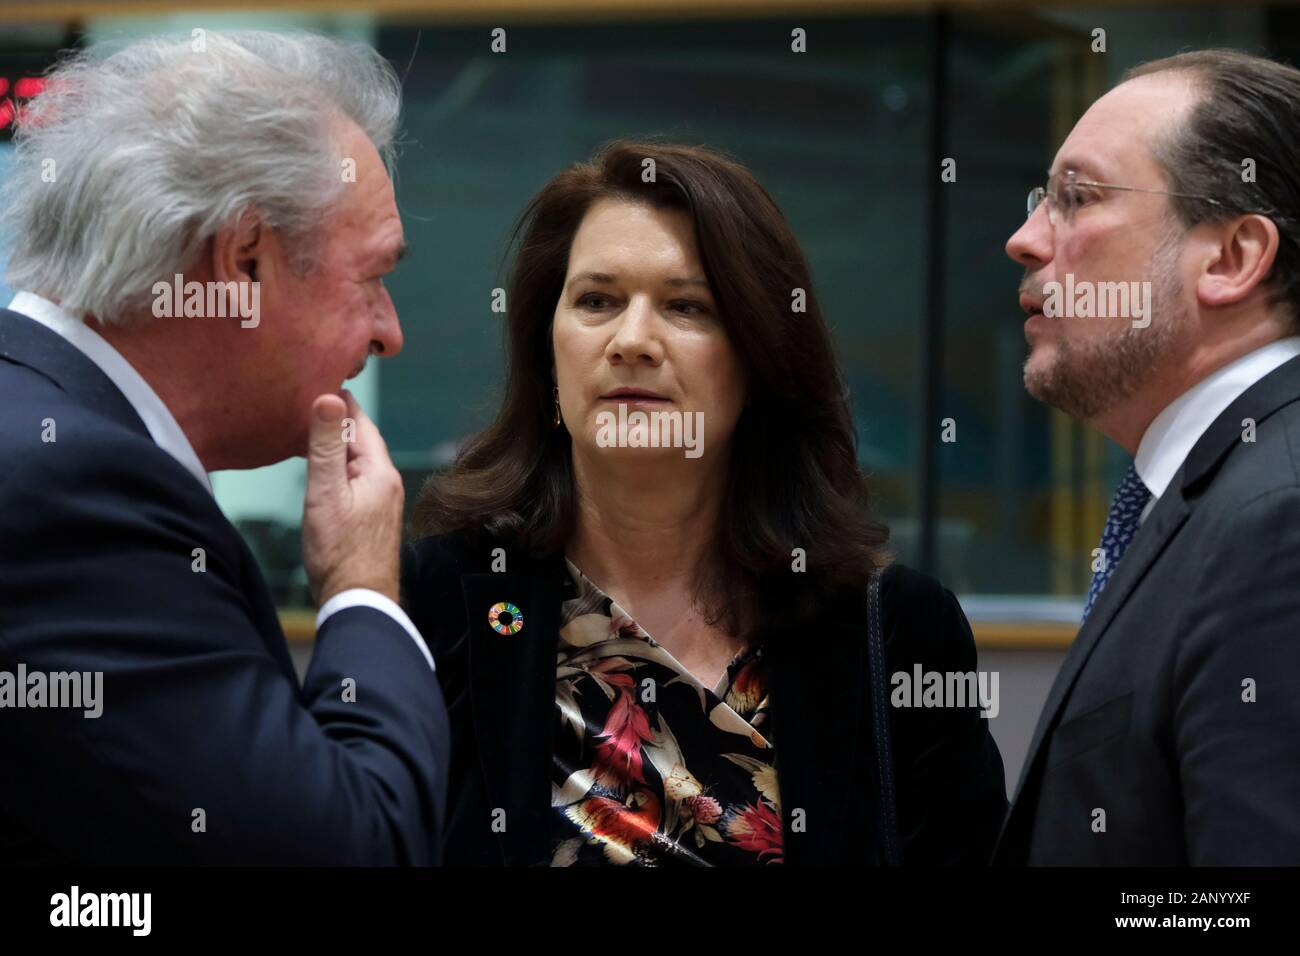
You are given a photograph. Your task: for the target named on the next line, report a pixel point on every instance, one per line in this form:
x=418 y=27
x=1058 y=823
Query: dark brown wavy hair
x=793 y=479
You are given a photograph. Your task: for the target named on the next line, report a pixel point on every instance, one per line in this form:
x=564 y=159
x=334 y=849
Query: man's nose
x=387 y=337
x=1032 y=244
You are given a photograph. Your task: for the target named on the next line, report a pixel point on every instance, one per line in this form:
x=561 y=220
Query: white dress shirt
x=1173 y=433
x=167 y=434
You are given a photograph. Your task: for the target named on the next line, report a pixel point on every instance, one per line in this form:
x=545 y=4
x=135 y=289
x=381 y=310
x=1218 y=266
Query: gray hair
x=127 y=164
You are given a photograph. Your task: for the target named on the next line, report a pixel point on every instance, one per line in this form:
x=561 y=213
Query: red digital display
x=14 y=95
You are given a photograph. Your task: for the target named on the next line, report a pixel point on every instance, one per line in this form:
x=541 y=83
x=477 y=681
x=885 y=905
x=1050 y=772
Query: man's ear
x=1246 y=249
x=239 y=249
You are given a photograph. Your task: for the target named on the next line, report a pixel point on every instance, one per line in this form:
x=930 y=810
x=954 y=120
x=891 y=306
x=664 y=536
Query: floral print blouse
x=650 y=766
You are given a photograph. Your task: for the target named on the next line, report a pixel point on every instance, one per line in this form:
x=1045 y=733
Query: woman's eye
x=594 y=300
x=690 y=308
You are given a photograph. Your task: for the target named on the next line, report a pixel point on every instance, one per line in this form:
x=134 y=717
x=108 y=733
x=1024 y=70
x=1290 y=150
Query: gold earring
x=557 y=407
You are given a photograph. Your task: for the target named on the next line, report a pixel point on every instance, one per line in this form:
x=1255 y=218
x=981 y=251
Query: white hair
x=127 y=164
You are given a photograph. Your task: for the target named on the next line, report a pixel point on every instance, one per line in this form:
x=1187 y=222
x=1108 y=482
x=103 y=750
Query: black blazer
x=201 y=707
x=1146 y=721
x=500 y=692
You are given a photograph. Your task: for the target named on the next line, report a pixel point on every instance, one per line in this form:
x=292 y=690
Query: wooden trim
x=299 y=625
x=469 y=9
x=517 y=10
x=300 y=629
x=1023 y=635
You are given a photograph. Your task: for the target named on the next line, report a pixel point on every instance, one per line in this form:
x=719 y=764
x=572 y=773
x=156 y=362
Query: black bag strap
x=881 y=723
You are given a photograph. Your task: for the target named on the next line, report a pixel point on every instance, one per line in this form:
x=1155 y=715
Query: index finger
x=369 y=443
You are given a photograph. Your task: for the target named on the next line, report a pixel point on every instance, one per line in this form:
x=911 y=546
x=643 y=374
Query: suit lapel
x=1169 y=514
x=512 y=688
x=1153 y=536
x=27 y=342
x=1276 y=390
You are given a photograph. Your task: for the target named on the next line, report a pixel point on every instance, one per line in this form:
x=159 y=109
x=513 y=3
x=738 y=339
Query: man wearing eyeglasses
x=1172 y=733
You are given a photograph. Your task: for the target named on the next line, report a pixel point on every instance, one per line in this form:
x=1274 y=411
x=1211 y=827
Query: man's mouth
x=1031 y=304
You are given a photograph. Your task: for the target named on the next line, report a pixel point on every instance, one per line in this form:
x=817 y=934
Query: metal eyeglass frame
x=1052 y=191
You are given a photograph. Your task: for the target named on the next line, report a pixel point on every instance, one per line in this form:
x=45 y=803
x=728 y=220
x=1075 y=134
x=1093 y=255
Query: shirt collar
x=1173 y=433
x=157 y=417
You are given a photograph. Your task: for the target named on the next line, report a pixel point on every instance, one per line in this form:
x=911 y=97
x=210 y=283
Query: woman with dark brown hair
x=663 y=620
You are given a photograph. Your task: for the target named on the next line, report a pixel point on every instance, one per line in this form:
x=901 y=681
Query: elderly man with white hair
x=201 y=230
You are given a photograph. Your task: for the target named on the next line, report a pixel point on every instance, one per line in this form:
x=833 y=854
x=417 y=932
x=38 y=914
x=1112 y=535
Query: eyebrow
x=601 y=277
x=1084 y=167
x=691 y=280
x=606 y=279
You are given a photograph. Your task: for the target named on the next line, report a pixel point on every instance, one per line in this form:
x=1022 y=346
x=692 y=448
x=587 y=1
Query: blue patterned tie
x=1121 y=524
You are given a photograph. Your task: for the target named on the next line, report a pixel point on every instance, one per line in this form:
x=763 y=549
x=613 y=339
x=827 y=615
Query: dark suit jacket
x=1146 y=720
x=500 y=692
x=202 y=709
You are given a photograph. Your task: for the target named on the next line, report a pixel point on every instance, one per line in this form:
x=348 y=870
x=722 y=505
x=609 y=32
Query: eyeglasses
x=1065 y=193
